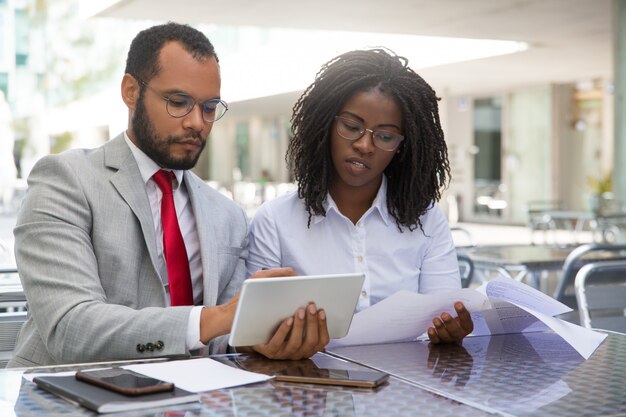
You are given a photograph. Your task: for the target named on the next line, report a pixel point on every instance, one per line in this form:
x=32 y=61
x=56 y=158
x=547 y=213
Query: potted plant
x=602 y=193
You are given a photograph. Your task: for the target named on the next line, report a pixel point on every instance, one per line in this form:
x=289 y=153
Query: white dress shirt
x=187 y=224
x=391 y=259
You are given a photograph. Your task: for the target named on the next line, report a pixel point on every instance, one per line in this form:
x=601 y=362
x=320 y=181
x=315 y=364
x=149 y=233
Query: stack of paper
x=499 y=306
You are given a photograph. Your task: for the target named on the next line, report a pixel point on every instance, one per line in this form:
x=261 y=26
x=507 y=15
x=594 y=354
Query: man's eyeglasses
x=180 y=105
x=352 y=130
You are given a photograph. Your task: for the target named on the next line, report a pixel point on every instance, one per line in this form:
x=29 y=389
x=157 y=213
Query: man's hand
x=274 y=273
x=298 y=337
x=450 y=329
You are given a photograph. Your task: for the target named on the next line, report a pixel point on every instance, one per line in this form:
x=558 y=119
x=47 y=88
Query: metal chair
x=537 y=219
x=10 y=326
x=579 y=257
x=466 y=269
x=601 y=294
x=12 y=312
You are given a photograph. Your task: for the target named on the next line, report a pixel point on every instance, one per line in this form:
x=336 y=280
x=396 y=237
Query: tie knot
x=163 y=180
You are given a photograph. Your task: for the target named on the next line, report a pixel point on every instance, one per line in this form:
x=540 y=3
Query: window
x=488 y=158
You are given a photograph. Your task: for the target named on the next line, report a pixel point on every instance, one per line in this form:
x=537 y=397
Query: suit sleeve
x=70 y=311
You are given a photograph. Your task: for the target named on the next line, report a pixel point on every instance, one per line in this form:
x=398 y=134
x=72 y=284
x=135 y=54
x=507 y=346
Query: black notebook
x=104 y=401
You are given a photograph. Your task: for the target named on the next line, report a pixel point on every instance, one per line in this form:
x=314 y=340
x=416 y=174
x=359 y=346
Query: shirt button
x=363 y=293
x=359 y=258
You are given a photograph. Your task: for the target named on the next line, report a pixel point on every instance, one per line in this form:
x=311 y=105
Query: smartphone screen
x=124 y=381
x=364 y=378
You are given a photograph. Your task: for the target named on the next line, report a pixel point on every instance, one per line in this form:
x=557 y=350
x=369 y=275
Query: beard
x=158 y=148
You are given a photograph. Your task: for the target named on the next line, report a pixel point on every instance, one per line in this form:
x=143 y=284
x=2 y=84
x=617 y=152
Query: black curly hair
x=143 y=55
x=416 y=175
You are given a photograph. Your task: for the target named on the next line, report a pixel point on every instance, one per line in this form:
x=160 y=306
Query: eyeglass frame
x=168 y=99
x=371 y=131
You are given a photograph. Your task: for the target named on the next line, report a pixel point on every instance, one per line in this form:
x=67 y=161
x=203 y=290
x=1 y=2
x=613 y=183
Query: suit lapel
x=203 y=213
x=129 y=183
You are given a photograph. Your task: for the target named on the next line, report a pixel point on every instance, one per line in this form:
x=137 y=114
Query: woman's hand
x=448 y=329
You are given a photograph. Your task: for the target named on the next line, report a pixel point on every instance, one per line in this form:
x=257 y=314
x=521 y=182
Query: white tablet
x=265 y=302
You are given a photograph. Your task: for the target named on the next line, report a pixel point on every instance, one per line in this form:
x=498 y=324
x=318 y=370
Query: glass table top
x=19 y=397
x=532 y=374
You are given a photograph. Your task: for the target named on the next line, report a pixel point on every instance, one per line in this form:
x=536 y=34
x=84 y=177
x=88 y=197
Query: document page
x=405 y=315
x=522 y=295
x=502 y=305
x=504 y=317
x=517 y=307
x=198 y=375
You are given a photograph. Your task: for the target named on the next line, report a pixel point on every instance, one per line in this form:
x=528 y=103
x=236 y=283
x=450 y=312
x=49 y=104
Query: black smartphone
x=124 y=381
x=367 y=379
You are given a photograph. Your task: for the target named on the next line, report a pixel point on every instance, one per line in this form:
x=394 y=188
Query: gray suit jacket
x=86 y=252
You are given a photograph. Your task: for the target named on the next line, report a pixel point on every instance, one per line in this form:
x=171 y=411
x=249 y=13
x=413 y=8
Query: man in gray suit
x=92 y=247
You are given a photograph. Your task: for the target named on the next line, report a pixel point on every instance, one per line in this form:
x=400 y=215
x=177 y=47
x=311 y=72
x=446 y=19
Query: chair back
x=10 y=326
x=12 y=312
x=466 y=269
x=601 y=294
x=580 y=256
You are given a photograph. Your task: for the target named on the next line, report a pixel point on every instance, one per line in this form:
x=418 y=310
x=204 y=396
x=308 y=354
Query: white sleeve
x=193 y=329
x=440 y=268
x=264 y=243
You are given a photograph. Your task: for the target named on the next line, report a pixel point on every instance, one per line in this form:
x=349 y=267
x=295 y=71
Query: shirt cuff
x=193 y=329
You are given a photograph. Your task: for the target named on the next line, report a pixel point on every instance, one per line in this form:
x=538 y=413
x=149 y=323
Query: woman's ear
x=130 y=91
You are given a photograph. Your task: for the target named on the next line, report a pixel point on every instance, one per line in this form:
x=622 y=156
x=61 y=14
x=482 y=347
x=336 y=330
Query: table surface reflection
x=532 y=374
x=19 y=397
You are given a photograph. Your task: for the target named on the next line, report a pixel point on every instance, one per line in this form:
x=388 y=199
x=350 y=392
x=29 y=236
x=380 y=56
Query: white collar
x=379 y=204
x=147 y=167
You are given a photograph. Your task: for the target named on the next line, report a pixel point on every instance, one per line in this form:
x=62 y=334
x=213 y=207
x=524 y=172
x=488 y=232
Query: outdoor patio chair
x=601 y=294
x=579 y=257
x=10 y=326
x=466 y=269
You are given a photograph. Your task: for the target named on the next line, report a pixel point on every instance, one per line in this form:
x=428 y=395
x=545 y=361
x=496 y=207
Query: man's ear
x=130 y=91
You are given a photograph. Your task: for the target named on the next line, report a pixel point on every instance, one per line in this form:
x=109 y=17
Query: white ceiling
x=570 y=40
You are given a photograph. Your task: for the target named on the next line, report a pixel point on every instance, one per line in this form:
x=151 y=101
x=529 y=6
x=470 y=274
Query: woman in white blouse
x=370 y=160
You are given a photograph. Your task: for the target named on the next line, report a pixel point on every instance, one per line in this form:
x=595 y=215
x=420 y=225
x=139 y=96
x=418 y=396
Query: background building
x=530 y=120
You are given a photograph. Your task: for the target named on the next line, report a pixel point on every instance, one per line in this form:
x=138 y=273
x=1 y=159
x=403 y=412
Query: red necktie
x=176 y=260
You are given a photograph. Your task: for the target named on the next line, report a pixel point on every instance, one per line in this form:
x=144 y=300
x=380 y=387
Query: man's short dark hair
x=143 y=55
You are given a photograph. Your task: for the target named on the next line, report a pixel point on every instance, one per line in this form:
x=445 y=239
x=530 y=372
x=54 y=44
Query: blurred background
x=528 y=92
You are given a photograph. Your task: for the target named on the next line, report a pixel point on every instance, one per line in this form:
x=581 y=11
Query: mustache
x=194 y=135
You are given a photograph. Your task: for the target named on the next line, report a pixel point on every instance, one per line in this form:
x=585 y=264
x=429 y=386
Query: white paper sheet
x=522 y=295
x=502 y=305
x=405 y=315
x=198 y=375
x=584 y=340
